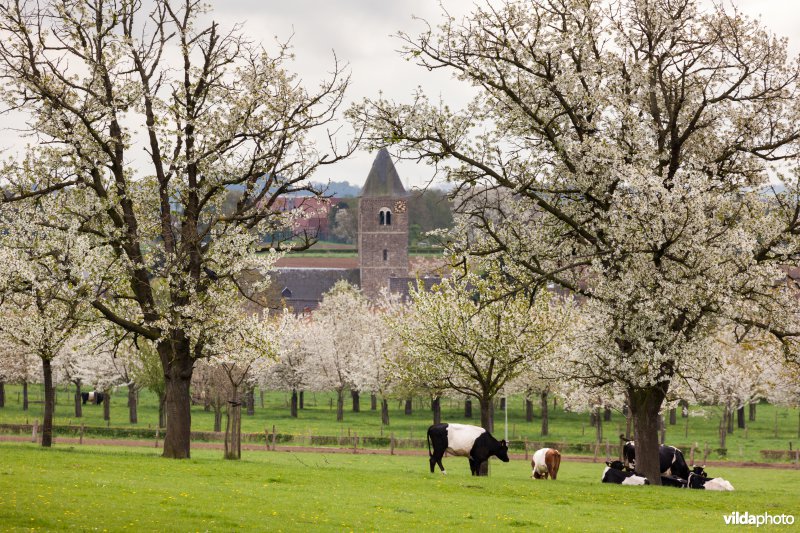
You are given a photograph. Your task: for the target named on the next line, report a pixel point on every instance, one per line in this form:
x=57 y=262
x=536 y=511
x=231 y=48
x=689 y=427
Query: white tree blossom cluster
x=343 y=345
x=164 y=146
x=621 y=151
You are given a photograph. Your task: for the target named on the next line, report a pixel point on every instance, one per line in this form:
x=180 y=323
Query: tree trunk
x=673 y=416
x=528 y=410
x=178 y=367
x=293 y=408
x=409 y=406
x=436 y=407
x=24 y=395
x=752 y=417
x=740 y=417
x=373 y=402
x=729 y=413
x=598 y=425
x=162 y=410
x=628 y=423
x=356 y=396
x=385 y=412
x=645 y=404
x=107 y=405
x=302 y=405
x=339 y=405
x=723 y=428
x=233 y=428
x=2 y=394
x=607 y=414
x=217 y=405
x=467 y=408
x=502 y=404
x=49 y=404
x=684 y=408
x=133 y=415
x=251 y=401
x=487 y=423
x=545 y=417
x=78 y=401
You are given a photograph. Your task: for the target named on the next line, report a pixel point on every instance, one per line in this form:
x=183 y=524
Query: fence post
x=608 y=451
x=355 y=442
x=157 y=435
x=391 y=444
x=705 y=452
x=596 y=450
x=691 y=454
x=273 y=437
x=266 y=438
x=35 y=429
x=525 y=443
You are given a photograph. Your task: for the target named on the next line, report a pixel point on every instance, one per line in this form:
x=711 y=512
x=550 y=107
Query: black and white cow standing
x=92 y=397
x=472 y=442
x=616 y=472
x=670 y=459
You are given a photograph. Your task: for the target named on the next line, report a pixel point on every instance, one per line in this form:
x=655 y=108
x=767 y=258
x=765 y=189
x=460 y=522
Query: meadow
x=775 y=427
x=116 y=489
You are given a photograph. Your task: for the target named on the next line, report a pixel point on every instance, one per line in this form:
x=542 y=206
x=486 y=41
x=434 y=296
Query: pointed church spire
x=383 y=179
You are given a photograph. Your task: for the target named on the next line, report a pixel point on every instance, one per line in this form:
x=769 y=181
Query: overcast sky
x=362 y=34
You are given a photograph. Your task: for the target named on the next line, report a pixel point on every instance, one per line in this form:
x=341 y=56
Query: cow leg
x=473 y=466
x=436 y=458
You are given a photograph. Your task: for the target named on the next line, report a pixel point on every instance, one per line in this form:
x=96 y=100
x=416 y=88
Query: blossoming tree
x=149 y=115
x=632 y=141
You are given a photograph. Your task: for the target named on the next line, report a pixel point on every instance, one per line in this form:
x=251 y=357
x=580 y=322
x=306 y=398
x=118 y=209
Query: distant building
x=316 y=210
x=382 y=245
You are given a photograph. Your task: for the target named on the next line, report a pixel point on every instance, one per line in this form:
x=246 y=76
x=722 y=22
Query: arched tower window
x=385 y=217
x=386 y=255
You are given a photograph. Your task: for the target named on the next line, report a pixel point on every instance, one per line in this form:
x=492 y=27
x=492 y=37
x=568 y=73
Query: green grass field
x=113 y=489
x=319 y=418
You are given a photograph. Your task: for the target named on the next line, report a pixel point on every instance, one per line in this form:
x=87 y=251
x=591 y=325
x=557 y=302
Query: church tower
x=382 y=227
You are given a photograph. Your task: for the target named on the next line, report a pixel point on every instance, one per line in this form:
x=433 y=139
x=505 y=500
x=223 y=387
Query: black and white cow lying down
x=670 y=459
x=472 y=442
x=698 y=479
x=616 y=472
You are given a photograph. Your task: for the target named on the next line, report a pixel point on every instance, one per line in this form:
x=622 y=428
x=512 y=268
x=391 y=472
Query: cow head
x=616 y=465
x=502 y=451
x=699 y=471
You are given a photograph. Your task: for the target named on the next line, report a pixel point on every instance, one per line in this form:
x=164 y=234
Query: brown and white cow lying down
x=545 y=462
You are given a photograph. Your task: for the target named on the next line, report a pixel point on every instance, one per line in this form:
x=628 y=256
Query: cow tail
x=430 y=453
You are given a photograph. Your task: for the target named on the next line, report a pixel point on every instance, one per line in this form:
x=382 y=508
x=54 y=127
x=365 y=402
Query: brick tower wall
x=374 y=238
